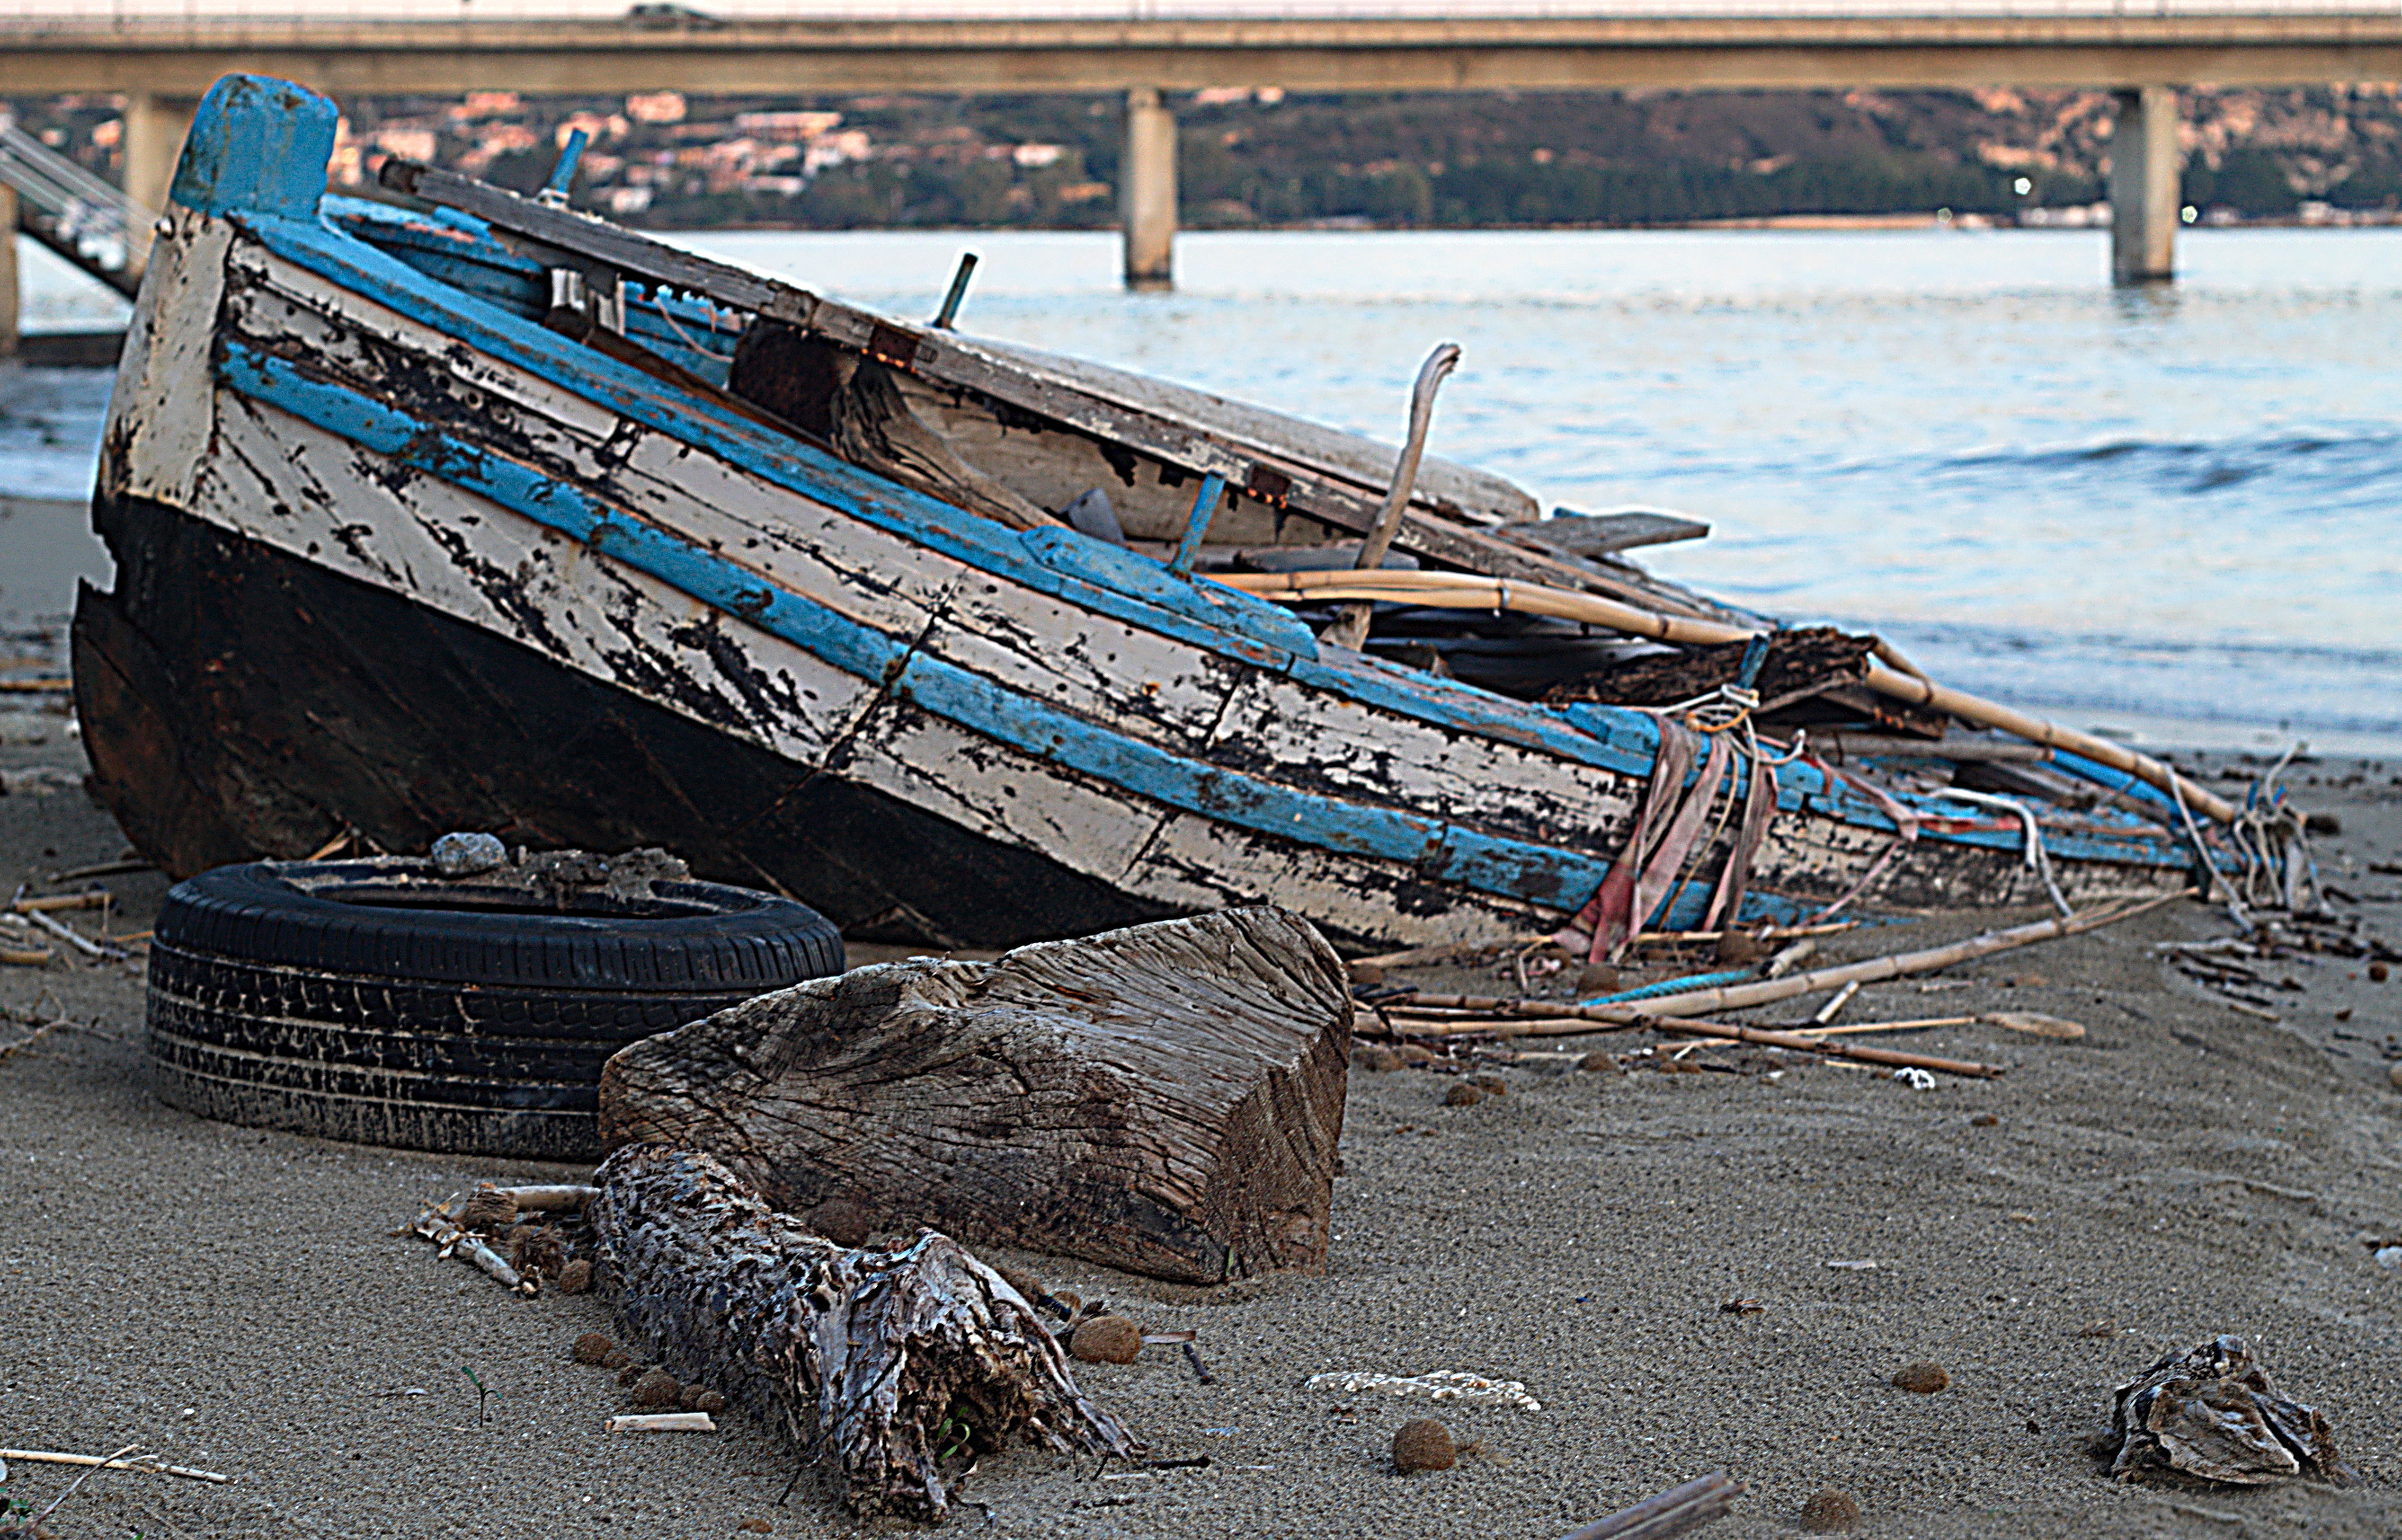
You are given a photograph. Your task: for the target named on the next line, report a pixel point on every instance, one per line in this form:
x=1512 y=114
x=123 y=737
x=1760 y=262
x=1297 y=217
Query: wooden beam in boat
x=1957 y=748
x=1281 y=481
x=1601 y=534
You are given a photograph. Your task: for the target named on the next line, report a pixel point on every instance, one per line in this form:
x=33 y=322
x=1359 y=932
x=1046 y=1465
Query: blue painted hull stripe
x=1121 y=584
x=1102 y=579
x=1439 y=851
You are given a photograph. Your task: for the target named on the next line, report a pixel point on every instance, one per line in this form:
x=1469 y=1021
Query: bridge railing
x=214 y=18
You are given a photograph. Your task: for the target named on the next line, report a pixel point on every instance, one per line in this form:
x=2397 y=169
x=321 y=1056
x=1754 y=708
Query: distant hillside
x=1266 y=158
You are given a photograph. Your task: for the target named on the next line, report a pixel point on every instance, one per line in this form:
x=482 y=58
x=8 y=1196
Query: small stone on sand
x=2379 y=973
x=619 y=1359
x=1601 y=1063
x=593 y=1348
x=657 y=1388
x=709 y=1401
x=1423 y=1444
x=1376 y=1058
x=1923 y=1376
x=629 y=1371
x=691 y=1396
x=2395 y=1074
x=1829 y=1512
x=1107 y=1340
x=1983 y=1119
x=576 y=1277
x=757 y=1526
x=1492 y=1085
x=1462 y=1094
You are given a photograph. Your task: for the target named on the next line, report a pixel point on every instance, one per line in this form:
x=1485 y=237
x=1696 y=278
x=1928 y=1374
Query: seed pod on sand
x=1107 y=1340
x=1423 y=1444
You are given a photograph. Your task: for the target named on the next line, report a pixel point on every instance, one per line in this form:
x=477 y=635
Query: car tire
x=379 y=1001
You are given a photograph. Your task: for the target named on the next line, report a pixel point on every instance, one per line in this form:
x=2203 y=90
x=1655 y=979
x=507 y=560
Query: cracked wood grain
x=1165 y=1098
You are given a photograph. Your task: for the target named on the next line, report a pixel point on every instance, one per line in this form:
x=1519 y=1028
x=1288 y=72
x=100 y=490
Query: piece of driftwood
x=1799 y=663
x=2214 y=1414
x=435 y=1226
x=1673 y=1512
x=1165 y=1098
x=881 y=1362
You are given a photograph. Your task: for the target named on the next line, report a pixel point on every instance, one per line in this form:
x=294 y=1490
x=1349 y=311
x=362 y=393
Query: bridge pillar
x=155 y=127
x=8 y=297
x=2143 y=201
x=1147 y=191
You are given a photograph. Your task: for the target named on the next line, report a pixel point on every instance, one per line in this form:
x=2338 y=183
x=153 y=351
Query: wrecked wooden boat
x=482 y=513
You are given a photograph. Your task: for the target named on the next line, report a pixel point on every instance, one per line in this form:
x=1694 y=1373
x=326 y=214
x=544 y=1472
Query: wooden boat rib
x=396 y=557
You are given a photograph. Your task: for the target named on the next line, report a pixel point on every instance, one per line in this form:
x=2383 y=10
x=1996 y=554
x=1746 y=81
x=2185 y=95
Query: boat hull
x=396 y=560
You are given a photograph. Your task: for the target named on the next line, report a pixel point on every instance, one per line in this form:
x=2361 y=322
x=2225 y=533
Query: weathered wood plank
x=1164 y=1099
x=1601 y=534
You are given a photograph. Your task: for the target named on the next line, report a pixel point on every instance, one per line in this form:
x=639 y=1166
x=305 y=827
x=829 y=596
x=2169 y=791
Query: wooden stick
x=1673 y=1512
x=1583 y=1018
x=1820 y=1045
x=1834 y=1008
x=94 y=899
x=1919 y=1024
x=661 y=1422
x=80 y=943
x=1898 y=965
x=14 y=957
x=1448 y=951
x=1718 y=1032
x=141 y=1462
x=469 y=1249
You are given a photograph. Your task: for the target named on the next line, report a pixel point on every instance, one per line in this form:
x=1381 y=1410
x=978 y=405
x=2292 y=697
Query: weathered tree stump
x=1164 y=1099
x=881 y=1361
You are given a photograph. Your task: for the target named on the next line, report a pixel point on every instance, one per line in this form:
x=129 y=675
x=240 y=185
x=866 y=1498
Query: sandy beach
x=235 y=1300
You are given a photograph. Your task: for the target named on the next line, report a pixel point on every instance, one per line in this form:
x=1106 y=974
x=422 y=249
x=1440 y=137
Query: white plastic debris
x=1863 y=1266
x=2389 y=1256
x=1917 y=1080
x=1444 y=1385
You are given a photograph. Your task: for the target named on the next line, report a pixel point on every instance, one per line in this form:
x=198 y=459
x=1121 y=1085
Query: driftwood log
x=881 y=1362
x=1164 y=1099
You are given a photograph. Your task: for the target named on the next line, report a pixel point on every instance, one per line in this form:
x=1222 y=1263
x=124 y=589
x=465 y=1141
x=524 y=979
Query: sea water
x=2174 y=514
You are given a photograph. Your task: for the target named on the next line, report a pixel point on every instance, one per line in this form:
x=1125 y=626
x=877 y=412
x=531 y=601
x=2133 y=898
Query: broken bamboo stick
x=140 y=1462
x=1466 y=591
x=94 y=899
x=1769 y=991
x=1893 y=1058
x=1673 y=1512
x=1720 y=1033
x=661 y=1421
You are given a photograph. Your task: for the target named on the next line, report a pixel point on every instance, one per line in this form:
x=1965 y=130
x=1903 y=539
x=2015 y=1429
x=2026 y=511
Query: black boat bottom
x=239 y=702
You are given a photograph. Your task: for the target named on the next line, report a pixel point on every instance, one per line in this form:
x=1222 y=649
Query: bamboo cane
x=1466 y=591
x=1742 y=996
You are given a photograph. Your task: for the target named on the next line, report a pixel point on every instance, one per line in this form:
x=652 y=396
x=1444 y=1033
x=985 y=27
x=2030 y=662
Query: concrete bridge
x=162 y=65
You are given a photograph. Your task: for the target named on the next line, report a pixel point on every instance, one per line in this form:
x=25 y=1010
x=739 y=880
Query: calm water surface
x=2176 y=513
